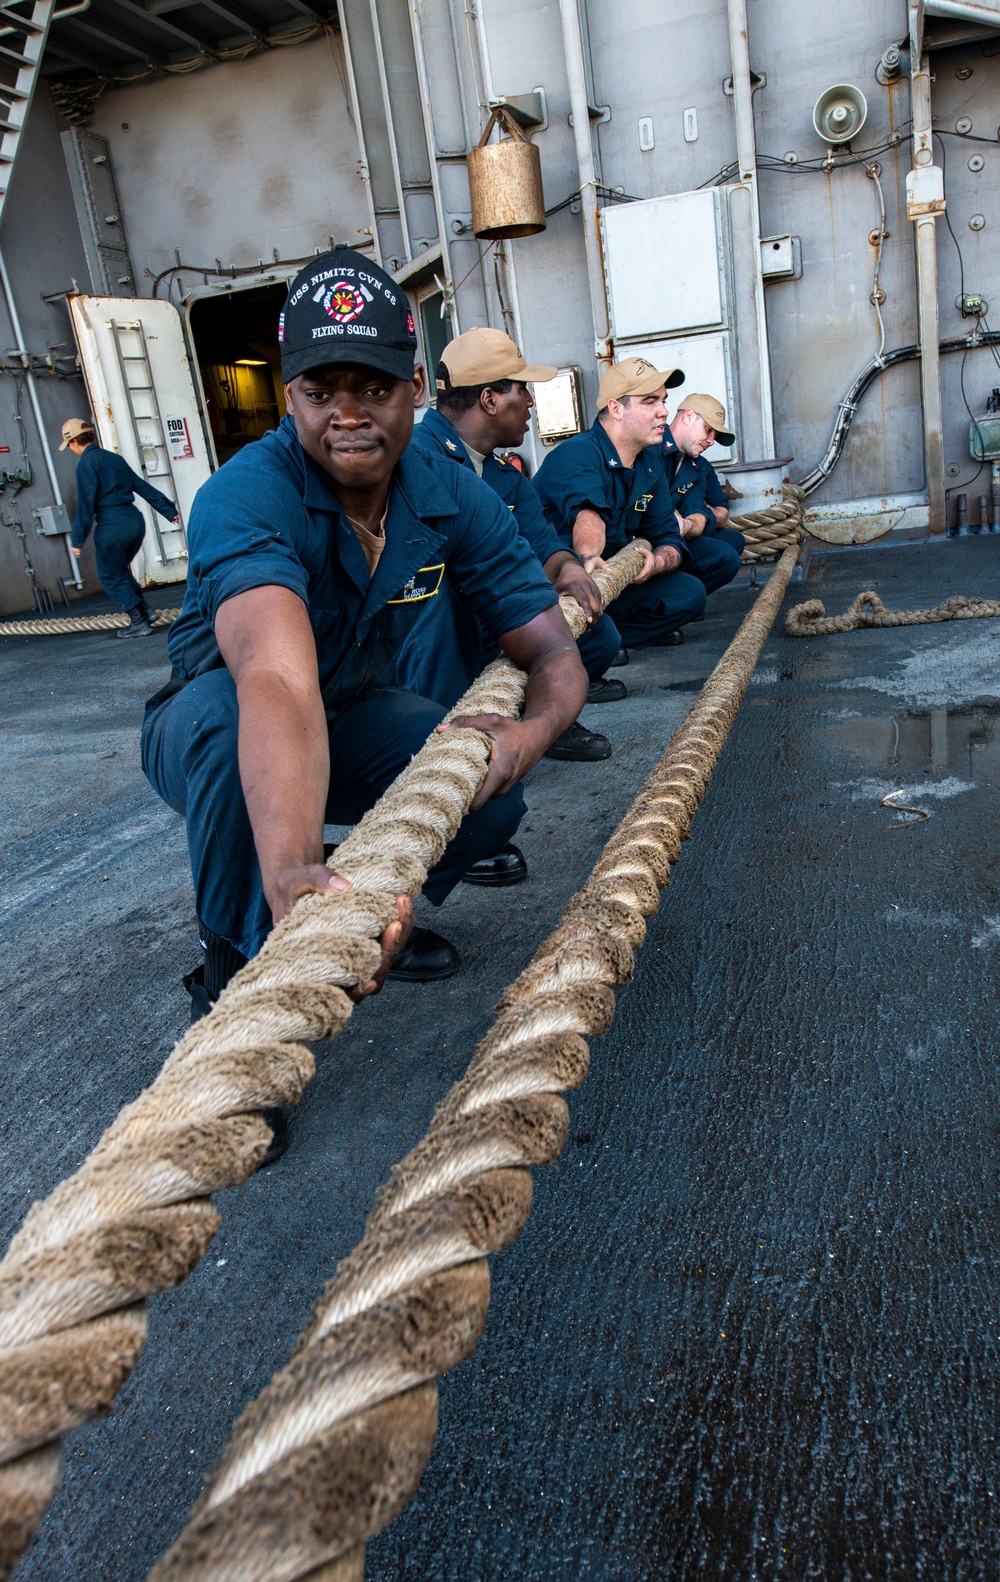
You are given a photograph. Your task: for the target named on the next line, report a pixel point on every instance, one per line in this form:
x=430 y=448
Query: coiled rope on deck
x=770 y=532
x=137 y=1216
x=52 y=626
x=336 y=1445
x=811 y=620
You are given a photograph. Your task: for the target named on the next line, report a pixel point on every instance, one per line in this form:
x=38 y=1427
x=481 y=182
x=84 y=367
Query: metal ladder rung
x=20 y=24
x=12 y=55
x=12 y=93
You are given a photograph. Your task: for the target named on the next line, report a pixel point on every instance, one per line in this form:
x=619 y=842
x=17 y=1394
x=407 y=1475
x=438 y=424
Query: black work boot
x=579 y=745
x=621 y=658
x=668 y=640
x=606 y=689
x=505 y=868
x=205 y=984
x=138 y=624
x=425 y=958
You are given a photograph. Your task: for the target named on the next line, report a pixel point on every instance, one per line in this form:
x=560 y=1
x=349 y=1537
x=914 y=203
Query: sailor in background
x=606 y=486
x=105 y=487
x=483 y=405
x=715 y=550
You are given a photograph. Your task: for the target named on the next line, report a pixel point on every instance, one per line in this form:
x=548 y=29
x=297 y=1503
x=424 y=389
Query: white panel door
x=143 y=398
x=706 y=364
x=664 y=264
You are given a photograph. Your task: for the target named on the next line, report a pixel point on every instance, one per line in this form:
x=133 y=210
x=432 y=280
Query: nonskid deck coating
x=751 y=1328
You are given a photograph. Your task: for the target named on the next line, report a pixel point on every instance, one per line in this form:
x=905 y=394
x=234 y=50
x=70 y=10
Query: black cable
x=947 y=219
x=849 y=405
x=964 y=137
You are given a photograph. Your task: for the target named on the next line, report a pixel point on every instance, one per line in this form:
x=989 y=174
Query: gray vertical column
x=363 y=53
x=923 y=206
x=756 y=425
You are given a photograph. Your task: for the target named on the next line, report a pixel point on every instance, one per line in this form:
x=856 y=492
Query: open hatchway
x=234 y=336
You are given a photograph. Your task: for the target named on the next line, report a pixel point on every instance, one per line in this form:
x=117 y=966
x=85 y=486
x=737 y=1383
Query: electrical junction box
x=665 y=263
x=558 y=406
x=781 y=258
x=51 y=520
x=984 y=437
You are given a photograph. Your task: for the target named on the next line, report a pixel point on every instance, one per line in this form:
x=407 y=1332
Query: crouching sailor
x=483 y=405
x=105 y=489
x=606 y=486
x=312 y=554
x=699 y=498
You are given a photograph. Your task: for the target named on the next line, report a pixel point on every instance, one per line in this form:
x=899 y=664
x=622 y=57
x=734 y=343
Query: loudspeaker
x=840 y=113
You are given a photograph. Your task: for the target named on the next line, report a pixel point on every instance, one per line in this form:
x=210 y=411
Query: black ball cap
x=342 y=308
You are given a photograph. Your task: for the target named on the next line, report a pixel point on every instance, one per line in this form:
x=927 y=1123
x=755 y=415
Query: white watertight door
x=143 y=398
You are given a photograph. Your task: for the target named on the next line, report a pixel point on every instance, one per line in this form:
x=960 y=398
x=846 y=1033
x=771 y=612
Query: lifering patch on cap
x=342 y=302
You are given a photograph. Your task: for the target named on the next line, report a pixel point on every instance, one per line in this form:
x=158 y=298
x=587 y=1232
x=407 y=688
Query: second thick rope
x=811 y=620
x=336 y=1445
x=770 y=532
x=53 y=625
x=137 y=1216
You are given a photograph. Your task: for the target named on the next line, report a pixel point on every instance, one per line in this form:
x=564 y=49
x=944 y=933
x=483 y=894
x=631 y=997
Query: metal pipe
x=758 y=432
x=587 y=171
x=927 y=285
x=390 y=127
x=420 y=60
x=995 y=494
x=29 y=379
x=962 y=516
x=57 y=16
x=966 y=11
x=354 y=109
x=484 y=54
x=984 y=514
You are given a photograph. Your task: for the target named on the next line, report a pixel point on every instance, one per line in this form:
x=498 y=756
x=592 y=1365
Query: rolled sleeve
x=234 y=546
x=531 y=521
x=715 y=493
x=492 y=566
x=573 y=478
x=658 y=523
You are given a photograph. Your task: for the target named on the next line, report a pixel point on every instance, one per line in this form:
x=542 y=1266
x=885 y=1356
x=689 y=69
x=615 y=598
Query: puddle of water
x=962 y=741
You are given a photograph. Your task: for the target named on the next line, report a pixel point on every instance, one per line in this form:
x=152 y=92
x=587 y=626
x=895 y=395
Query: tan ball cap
x=73 y=428
x=480 y=356
x=634 y=376
x=714 y=414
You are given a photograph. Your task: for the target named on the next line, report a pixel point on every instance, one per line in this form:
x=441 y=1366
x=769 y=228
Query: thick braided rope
x=136 y=1217
x=768 y=533
x=48 y=626
x=337 y=1443
x=811 y=620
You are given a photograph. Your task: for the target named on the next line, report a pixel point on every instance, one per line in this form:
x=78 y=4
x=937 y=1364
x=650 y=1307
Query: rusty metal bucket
x=505 y=183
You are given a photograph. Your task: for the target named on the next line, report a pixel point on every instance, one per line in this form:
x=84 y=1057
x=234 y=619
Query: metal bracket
x=599 y=114
x=527 y=109
x=758 y=79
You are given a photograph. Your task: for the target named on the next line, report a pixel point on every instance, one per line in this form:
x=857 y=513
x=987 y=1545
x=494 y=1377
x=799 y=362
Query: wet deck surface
x=751 y=1329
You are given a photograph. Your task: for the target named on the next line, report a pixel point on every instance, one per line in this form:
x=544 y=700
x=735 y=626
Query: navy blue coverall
x=105 y=485
x=269 y=517
x=695 y=488
x=446 y=649
x=585 y=472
